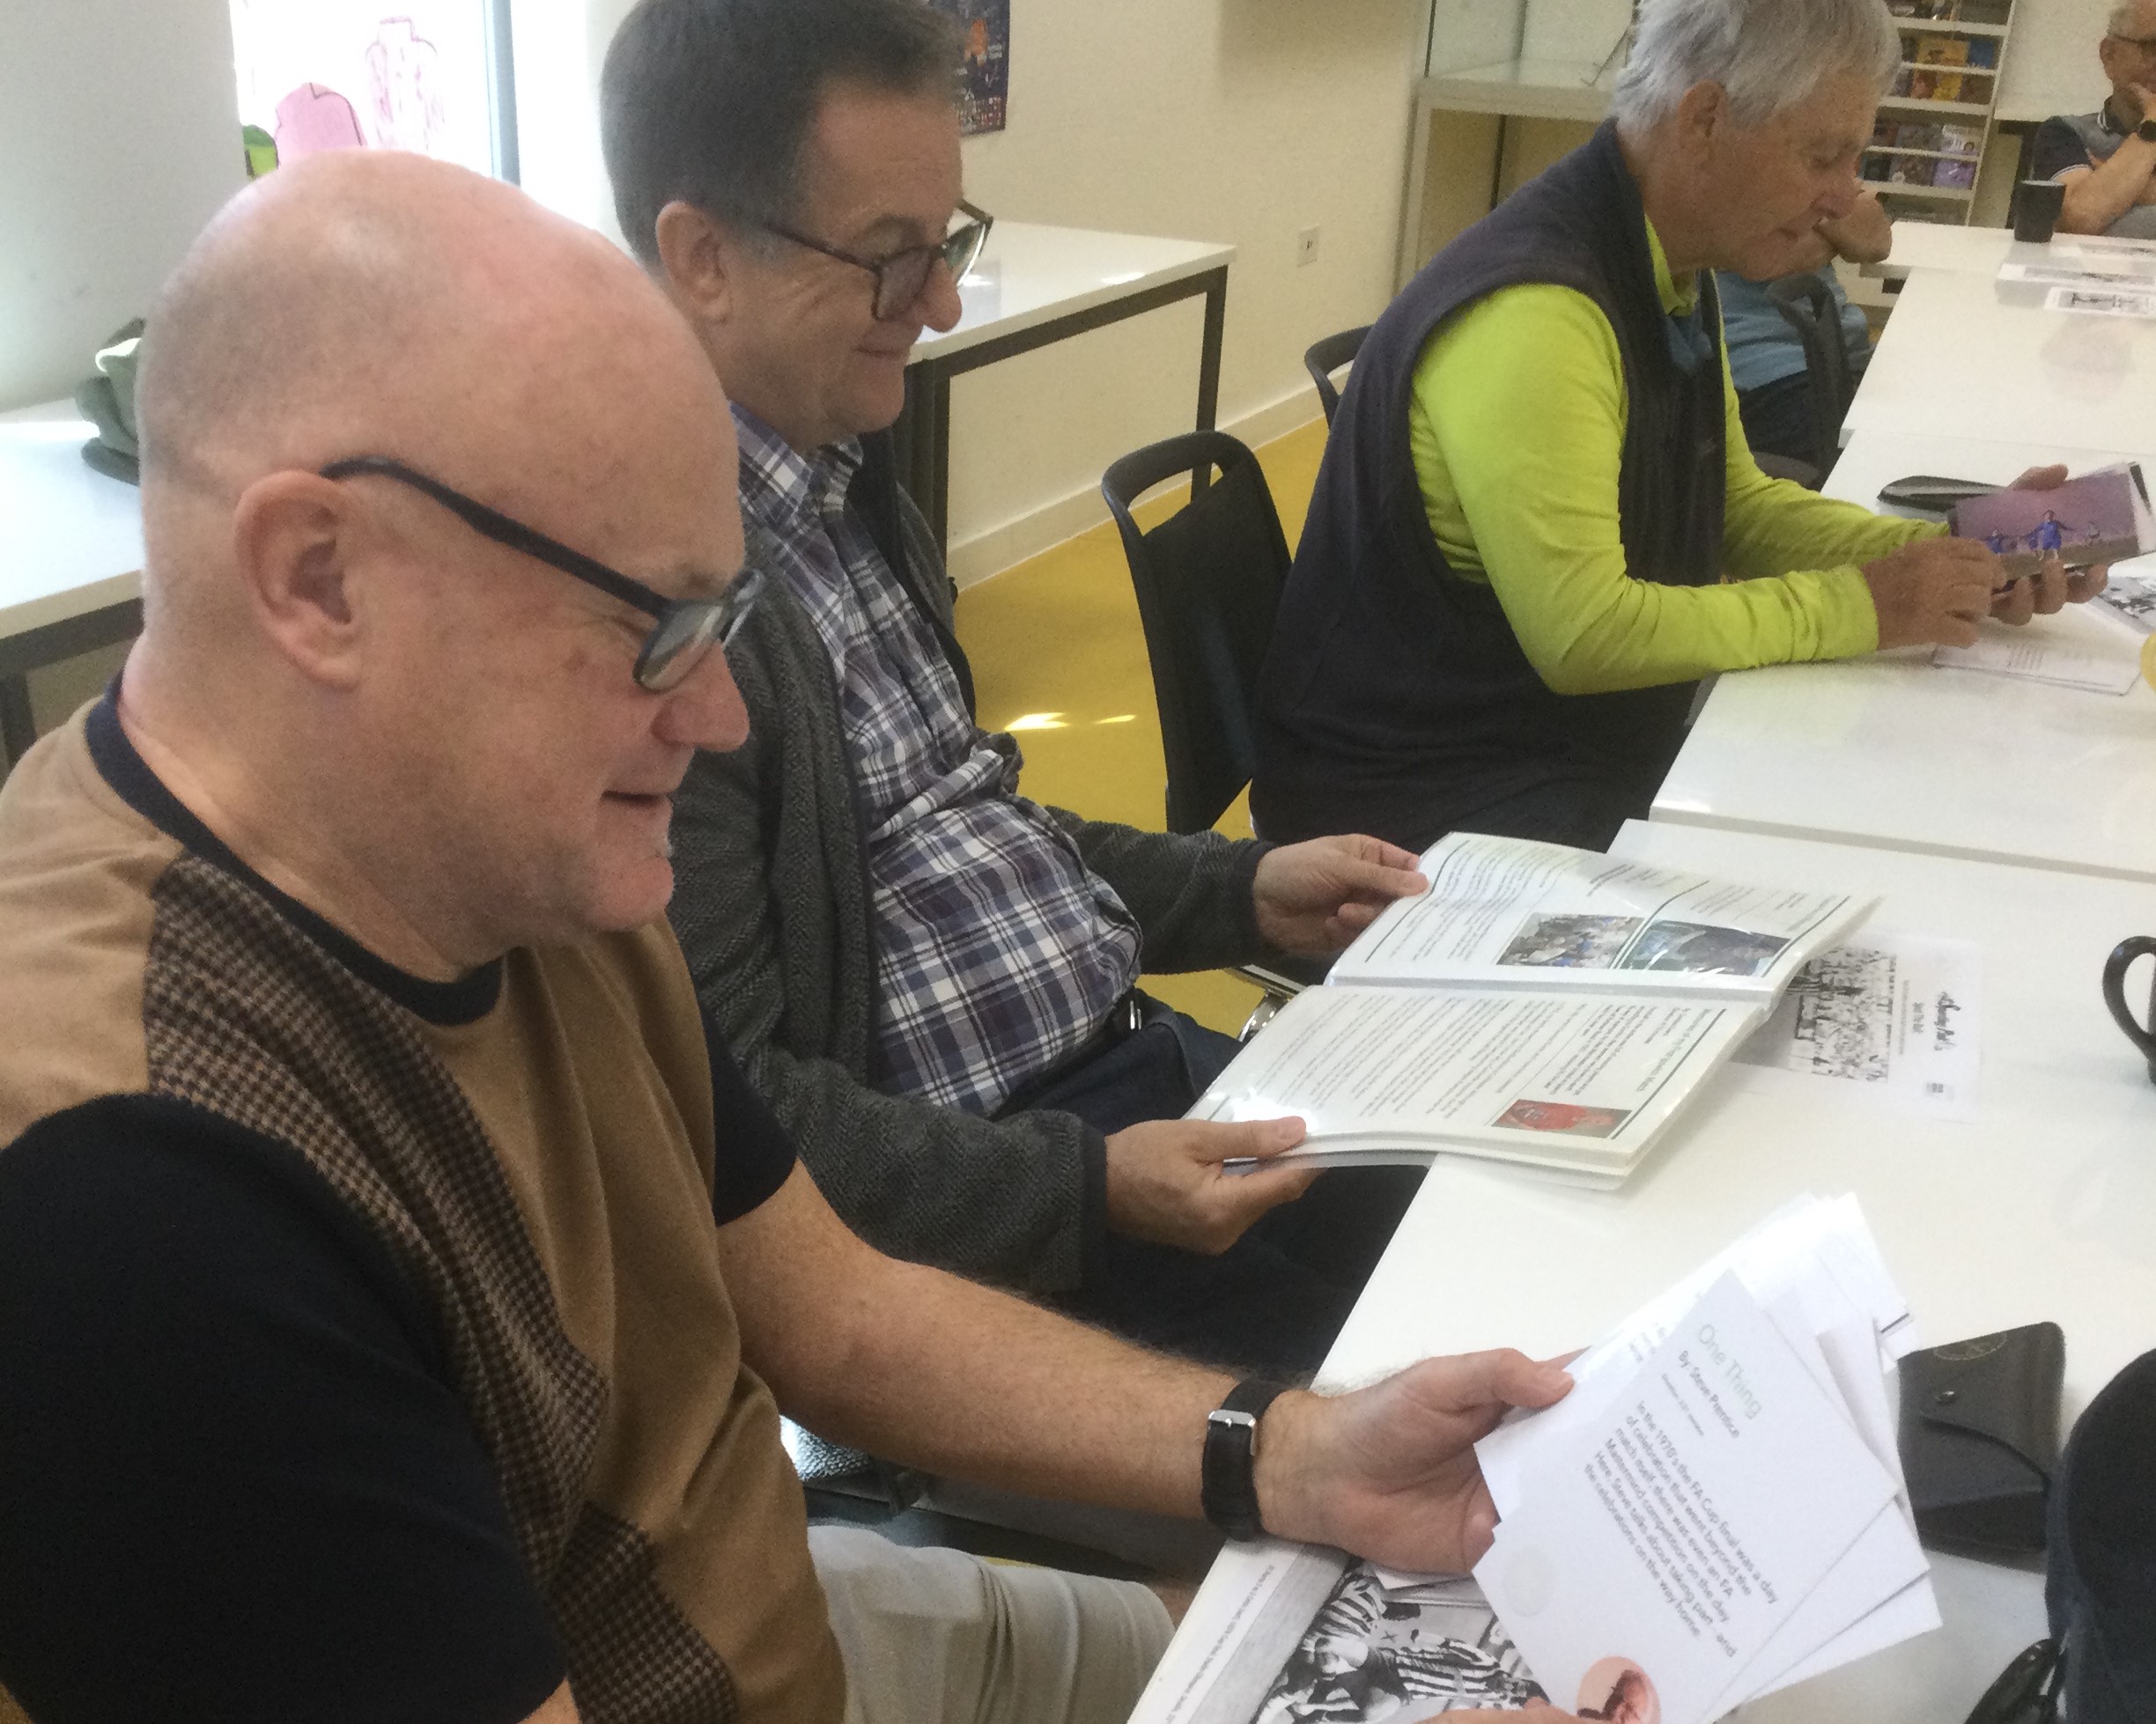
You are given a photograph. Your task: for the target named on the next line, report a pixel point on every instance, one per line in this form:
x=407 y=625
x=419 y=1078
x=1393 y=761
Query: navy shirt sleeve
x=2055 y=148
x=754 y=1154
x=235 y=1482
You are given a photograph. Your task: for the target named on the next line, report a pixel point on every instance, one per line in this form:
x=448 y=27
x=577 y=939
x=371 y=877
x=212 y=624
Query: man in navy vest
x=1537 y=523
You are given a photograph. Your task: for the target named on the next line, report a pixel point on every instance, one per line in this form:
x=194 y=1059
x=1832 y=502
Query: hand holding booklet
x=1538 y=1004
x=1715 y=1511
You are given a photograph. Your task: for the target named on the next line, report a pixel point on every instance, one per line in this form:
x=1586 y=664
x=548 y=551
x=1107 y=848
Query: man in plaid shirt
x=929 y=977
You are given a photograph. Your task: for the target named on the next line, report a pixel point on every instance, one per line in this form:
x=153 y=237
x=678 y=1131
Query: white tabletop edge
x=1155 y=262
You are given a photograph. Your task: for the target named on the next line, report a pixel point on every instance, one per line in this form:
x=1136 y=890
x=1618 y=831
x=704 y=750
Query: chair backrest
x=1324 y=358
x=1808 y=308
x=1208 y=582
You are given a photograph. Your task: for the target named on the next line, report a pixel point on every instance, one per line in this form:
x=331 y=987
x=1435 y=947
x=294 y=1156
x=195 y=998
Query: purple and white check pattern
x=997 y=951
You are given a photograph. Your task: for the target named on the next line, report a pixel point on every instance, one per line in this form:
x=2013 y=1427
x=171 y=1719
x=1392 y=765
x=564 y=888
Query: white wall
x=1241 y=120
x=119 y=136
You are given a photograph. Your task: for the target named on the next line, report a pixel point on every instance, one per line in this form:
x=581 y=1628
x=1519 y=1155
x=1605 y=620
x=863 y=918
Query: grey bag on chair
x=107 y=401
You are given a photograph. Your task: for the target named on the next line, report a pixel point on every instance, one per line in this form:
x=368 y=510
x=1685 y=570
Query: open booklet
x=1715 y=1511
x=1538 y=1004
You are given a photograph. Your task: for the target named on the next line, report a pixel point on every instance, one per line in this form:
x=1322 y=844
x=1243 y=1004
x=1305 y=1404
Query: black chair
x=1325 y=357
x=1809 y=308
x=1208 y=581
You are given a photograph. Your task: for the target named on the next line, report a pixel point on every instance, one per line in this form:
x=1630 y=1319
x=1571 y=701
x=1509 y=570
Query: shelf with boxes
x=1934 y=125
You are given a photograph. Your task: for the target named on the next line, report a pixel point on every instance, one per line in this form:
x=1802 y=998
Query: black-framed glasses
x=901 y=276
x=685 y=629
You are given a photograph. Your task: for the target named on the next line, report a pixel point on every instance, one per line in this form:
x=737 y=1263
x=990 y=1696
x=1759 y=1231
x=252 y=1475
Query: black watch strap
x=1228 y=1484
x=2146 y=130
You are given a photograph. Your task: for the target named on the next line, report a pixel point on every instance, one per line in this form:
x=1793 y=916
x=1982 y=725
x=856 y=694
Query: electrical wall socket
x=1306 y=245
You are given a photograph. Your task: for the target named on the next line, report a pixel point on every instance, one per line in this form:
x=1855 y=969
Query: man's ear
x=1703 y=115
x=695 y=257
x=293 y=536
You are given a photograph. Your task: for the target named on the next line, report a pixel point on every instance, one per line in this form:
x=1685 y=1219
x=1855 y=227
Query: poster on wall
x=356 y=74
x=985 y=84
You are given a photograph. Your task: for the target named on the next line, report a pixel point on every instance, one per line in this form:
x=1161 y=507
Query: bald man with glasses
x=399 y=1284
x=2107 y=161
x=930 y=977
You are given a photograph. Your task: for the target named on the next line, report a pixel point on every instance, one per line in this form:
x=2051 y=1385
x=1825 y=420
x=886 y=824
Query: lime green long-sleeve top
x=1517 y=427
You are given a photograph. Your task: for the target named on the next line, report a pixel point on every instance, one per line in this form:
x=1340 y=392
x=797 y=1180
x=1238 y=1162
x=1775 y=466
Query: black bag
x=2099 y=1666
x=2100 y=1593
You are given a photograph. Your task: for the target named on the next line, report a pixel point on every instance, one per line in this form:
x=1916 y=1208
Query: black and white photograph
x=2132 y=599
x=1570 y=942
x=1837 y=1018
x=1703 y=948
x=1403 y=1651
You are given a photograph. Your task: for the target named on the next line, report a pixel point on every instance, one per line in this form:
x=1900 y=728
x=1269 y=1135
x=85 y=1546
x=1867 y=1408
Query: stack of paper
x=1716 y=1509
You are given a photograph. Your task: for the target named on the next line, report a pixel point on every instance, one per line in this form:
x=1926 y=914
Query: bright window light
x=417 y=75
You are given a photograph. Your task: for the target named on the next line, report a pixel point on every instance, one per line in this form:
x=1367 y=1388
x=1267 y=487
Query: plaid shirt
x=997 y=951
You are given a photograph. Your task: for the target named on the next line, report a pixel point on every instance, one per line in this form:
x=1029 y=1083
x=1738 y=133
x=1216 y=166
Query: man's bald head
x=374 y=302
x=439 y=733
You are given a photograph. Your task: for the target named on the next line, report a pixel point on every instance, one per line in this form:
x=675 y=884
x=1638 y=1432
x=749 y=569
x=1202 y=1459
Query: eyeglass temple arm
x=504 y=531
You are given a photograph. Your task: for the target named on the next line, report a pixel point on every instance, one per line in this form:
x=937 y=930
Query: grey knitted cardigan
x=771 y=905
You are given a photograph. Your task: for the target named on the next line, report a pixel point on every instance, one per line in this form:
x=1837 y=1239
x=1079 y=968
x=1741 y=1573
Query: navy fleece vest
x=1396 y=698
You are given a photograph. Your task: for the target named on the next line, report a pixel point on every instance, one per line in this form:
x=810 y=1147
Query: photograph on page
x=1399 y=1648
x=1889 y=1019
x=1500 y=909
x=2101 y=517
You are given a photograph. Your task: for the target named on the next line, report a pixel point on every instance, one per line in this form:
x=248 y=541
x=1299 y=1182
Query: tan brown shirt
x=533 y=1149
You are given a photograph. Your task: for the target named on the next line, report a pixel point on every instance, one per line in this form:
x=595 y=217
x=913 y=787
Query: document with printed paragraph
x=1716 y=1510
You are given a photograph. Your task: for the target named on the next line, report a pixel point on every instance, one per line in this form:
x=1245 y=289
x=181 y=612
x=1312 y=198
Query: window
x=425 y=74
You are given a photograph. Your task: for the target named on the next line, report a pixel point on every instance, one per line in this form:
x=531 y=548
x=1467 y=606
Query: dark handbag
x=1980 y=1424
x=2099 y=1665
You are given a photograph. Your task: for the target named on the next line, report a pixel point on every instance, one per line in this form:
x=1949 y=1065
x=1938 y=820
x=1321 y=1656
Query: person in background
x=399 y=1284
x=2107 y=161
x=1537 y=525
x=927 y=974
x=1766 y=359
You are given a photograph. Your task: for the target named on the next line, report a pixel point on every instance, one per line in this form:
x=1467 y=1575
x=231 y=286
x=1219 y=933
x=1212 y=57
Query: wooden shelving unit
x=1961 y=41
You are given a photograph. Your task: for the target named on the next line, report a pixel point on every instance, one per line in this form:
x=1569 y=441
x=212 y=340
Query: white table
x=1035 y=285
x=71 y=556
x=1965 y=351
x=1891 y=750
x=1940 y=245
x=2044 y=1208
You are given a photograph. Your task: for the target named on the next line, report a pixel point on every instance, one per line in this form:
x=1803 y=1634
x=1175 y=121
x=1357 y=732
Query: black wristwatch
x=1228 y=1483
x=2146 y=130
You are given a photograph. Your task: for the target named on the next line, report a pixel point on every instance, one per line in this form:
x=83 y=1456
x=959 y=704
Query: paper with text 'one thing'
x=1818 y=1250
x=1690 y=1520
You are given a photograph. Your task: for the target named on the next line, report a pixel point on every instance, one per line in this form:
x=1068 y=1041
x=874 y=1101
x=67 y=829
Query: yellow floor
x=1059 y=658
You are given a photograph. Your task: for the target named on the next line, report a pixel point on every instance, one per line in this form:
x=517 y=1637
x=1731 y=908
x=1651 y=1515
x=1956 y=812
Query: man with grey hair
x=2107 y=161
x=1538 y=524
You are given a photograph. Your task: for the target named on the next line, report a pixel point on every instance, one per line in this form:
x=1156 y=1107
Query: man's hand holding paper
x=1390 y=1471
